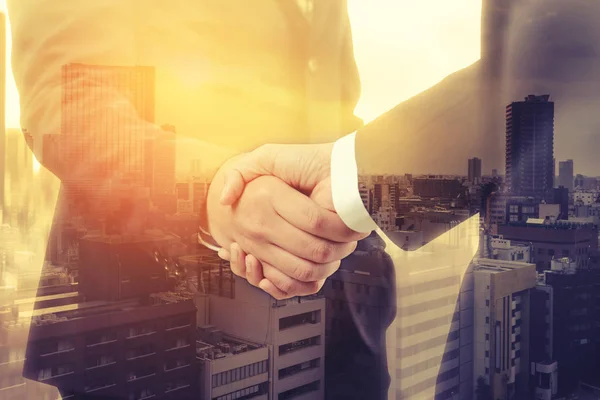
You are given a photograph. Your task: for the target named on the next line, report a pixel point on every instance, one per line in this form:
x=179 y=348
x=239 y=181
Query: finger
x=254 y=270
x=244 y=170
x=267 y=286
x=291 y=287
x=302 y=212
x=238 y=260
x=289 y=264
x=304 y=245
x=224 y=254
x=233 y=187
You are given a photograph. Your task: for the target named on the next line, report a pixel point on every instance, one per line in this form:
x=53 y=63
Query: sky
x=402 y=47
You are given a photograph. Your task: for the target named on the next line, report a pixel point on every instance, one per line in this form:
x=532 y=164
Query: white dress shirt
x=344 y=186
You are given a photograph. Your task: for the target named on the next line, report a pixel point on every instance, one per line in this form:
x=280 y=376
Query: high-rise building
x=474 y=170
x=530 y=146
x=124 y=154
x=572 y=340
x=294 y=328
x=501 y=327
x=2 y=106
x=115 y=153
x=565 y=174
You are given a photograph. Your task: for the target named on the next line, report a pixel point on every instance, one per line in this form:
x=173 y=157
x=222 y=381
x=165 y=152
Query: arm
x=47 y=36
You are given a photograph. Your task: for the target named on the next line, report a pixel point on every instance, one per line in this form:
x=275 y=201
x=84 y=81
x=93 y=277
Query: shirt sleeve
x=344 y=186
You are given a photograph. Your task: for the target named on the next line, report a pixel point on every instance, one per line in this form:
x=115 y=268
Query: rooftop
x=213 y=344
x=51 y=315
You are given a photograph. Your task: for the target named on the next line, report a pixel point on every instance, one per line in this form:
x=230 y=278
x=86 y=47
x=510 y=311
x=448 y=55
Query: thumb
x=244 y=169
x=233 y=187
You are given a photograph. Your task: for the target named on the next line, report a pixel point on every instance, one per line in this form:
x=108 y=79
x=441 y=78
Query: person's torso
x=247 y=73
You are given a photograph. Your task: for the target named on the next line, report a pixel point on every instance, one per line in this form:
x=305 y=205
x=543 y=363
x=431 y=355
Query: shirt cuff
x=344 y=186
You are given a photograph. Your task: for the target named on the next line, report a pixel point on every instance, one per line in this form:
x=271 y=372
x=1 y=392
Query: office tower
x=553 y=172
x=530 y=146
x=2 y=107
x=124 y=154
x=572 y=340
x=294 y=328
x=565 y=174
x=501 y=325
x=116 y=153
x=474 y=170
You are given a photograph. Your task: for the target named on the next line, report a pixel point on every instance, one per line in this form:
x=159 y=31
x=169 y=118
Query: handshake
x=272 y=213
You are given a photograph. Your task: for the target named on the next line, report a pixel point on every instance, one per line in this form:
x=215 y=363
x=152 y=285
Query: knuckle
x=304 y=272
x=312 y=288
x=314 y=219
x=323 y=251
x=287 y=286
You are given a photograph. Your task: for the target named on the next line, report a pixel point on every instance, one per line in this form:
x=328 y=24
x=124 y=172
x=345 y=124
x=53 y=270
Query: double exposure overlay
x=299 y=199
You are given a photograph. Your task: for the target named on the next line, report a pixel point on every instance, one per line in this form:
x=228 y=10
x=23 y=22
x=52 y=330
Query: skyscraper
x=530 y=146
x=565 y=174
x=2 y=105
x=474 y=170
x=113 y=150
x=124 y=154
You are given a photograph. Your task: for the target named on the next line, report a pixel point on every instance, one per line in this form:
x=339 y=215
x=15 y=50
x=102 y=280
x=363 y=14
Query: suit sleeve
x=51 y=34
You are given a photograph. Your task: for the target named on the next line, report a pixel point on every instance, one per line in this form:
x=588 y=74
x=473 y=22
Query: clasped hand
x=272 y=213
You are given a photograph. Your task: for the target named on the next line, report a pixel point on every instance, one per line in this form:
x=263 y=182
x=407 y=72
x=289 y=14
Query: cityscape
x=124 y=303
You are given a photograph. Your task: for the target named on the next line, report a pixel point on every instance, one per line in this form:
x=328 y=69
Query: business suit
x=227 y=82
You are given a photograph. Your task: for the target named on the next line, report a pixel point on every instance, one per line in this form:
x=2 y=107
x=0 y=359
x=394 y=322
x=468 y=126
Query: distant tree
x=483 y=390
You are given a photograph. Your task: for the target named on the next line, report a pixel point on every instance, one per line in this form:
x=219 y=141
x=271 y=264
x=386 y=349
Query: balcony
x=93 y=389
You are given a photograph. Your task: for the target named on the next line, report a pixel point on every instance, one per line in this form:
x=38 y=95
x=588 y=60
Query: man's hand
x=301 y=166
x=298 y=243
x=249 y=267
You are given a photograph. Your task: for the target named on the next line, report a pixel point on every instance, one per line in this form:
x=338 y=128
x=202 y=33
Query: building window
x=487 y=353
x=97 y=339
x=487 y=320
x=140 y=330
x=309 y=318
x=178 y=323
x=487 y=336
x=565 y=253
x=298 y=368
x=300 y=390
x=247 y=393
x=550 y=252
x=236 y=374
x=300 y=344
x=177 y=385
x=100 y=361
x=487 y=303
